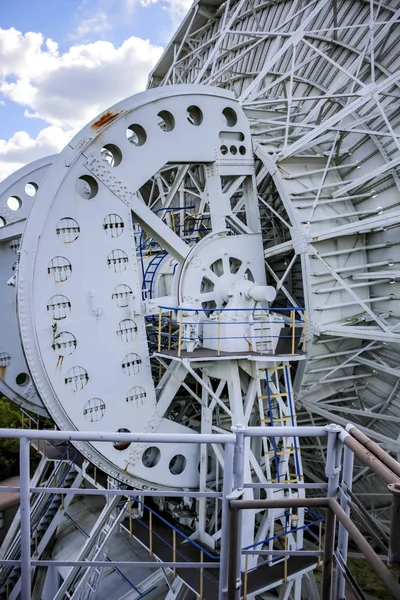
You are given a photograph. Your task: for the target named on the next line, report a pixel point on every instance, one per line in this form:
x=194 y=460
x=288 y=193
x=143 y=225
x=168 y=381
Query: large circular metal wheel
x=167 y=172
x=17 y=195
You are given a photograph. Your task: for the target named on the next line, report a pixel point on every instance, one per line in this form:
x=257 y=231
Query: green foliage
x=11 y=418
x=367 y=579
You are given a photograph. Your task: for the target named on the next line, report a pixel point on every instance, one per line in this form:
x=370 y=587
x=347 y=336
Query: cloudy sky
x=64 y=61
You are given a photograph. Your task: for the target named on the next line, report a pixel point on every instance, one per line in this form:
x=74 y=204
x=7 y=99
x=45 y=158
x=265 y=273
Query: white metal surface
x=17 y=194
x=80 y=305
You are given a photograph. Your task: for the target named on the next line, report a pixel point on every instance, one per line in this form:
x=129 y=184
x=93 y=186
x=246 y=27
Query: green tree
x=10 y=418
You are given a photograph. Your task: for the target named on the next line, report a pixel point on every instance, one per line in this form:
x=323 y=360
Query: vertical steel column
x=238 y=457
x=235 y=521
x=343 y=535
x=225 y=522
x=332 y=471
x=25 y=519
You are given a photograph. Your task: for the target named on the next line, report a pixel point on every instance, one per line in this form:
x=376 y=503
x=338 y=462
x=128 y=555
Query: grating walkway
x=258 y=579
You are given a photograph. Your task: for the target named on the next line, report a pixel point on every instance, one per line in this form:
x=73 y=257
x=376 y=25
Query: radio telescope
x=197 y=247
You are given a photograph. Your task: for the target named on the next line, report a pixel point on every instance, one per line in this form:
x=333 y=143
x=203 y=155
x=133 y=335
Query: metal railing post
x=343 y=535
x=332 y=471
x=159 y=329
x=234 y=574
x=219 y=334
x=293 y=326
x=238 y=456
x=235 y=578
x=174 y=549
x=394 y=540
x=227 y=488
x=180 y=333
x=25 y=519
x=151 y=533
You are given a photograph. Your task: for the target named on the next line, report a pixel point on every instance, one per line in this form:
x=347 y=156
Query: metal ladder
x=150 y=273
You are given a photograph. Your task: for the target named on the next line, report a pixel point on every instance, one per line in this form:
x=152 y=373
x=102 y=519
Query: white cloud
x=98 y=24
x=21 y=149
x=177 y=10
x=69 y=89
x=66 y=90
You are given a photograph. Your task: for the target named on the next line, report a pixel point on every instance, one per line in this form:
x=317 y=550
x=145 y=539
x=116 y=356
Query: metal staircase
x=82 y=584
x=47 y=510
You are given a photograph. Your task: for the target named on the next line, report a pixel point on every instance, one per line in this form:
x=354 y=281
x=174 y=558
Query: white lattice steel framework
x=320 y=82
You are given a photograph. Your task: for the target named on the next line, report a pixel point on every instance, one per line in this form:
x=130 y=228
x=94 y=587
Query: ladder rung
x=281 y=452
x=276 y=420
x=283 y=480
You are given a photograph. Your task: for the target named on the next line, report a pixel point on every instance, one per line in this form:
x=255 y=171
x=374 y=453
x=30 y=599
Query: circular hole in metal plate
x=131 y=364
x=94 y=410
x=76 y=378
x=113 y=225
x=87 y=187
x=22 y=379
x=137 y=395
x=31 y=189
x=127 y=330
x=117 y=260
x=177 y=464
x=136 y=135
x=230 y=116
x=64 y=343
x=59 y=307
x=122 y=445
x=5 y=360
x=2 y=222
x=166 y=120
x=60 y=268
x=122 y=294
x=194 y=115
x=14 y=203
x=151 y=457
x=68 y=230
x=111 y=154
